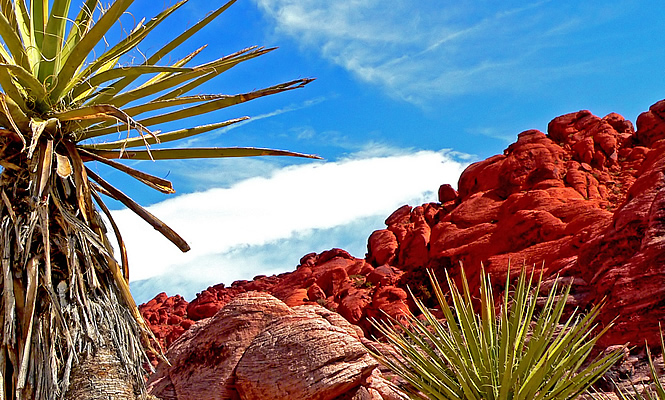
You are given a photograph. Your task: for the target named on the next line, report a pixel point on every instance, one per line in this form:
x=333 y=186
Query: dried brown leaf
x=81 y=181
x=116 y=231
x=156 y=223
x=45 y=162
x=154 y=182
x=30 y=299
x=64 y=166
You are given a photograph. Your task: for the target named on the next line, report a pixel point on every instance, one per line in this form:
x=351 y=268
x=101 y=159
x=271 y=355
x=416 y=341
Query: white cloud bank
x=421 y=50
x=261 y=224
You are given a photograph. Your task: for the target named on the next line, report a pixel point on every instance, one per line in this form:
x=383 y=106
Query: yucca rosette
x=65 y=293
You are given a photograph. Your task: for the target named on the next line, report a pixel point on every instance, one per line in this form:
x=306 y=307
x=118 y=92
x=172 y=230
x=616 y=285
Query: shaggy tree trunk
x=65 y=331
x=100 y=376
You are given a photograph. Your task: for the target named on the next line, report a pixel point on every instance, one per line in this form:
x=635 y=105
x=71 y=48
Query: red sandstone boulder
x=303 y=357
x=315 y=293
x=447 y=193
x=382 y=246
x=384 y=275
x=204 y=358
x=414 y=251
x=333 y=279
x=205 y=305
x=353 y=303
x=389 y=301
x=256 y=347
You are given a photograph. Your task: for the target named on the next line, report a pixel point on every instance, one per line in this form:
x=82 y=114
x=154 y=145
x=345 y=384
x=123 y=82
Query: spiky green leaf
x=38 y=19
x=121 y=72
x=82 y=49
x=486 y=356
x=54 y=37
x=81 y=25
x=212 y=105
x=213 y=68
x=173 y=44
x=32 y=85
x=162 y=137
x=122 y=47
x=11 y=38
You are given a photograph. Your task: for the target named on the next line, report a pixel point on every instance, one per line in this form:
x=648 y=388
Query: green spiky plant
x=656 y=390
x=520 y=351
x=70 y=328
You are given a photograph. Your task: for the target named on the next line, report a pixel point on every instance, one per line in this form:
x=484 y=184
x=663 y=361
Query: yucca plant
x=70 y=328
x=521 y=351
x=655 y=391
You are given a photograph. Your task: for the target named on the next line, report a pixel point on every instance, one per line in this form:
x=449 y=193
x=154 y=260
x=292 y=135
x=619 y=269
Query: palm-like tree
x=70 y=328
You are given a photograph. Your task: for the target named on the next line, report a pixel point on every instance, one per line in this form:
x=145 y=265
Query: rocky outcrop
x=257 y=347
x=626 y=264
x=333 y=279
x=584 y=201
x=167 y=317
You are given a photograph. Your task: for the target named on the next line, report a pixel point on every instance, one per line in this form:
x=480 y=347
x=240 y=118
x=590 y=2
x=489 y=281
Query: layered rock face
x=585 y=202
x=258 y=348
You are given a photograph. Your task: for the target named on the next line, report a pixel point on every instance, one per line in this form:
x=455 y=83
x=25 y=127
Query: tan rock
x=300 y=357
x=203 y=359
x=377 y=383
x=256 y=347
x=332 y=317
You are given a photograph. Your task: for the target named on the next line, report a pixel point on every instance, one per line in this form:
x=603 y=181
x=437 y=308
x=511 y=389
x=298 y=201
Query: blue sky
x=406 y=95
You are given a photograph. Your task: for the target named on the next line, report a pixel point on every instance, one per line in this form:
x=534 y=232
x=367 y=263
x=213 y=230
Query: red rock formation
x=585 y=200
x=257 y=347
x=383 y=247
x=333 y=279
x=167 y=317
x=626 y=264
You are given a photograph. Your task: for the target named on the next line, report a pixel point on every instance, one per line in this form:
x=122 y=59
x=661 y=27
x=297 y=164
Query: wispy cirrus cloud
x=212 y=137
x=417 y=51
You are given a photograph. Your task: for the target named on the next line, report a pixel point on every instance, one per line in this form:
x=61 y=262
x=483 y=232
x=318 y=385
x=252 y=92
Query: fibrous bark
x=65 y=333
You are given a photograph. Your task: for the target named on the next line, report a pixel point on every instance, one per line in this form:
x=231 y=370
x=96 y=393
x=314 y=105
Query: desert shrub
x=518 y=350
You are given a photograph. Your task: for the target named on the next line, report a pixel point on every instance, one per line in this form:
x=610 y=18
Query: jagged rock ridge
x=586 y=201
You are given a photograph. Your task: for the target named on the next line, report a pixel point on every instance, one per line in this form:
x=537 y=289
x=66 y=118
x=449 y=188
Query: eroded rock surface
x=257 y=347
x=586 y=200
x=167 y=317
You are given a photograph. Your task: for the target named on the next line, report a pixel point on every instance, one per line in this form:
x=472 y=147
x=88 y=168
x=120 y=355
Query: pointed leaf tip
x=206 y=152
